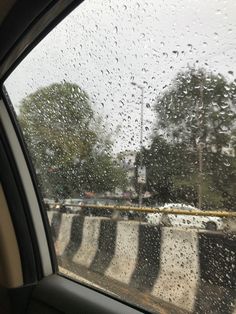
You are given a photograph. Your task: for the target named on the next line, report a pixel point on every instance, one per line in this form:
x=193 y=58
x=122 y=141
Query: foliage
x=199 y=106
x=69 y=150
x=195 y=116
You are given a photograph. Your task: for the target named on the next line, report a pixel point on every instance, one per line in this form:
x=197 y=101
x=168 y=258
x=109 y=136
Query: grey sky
x=104 y=45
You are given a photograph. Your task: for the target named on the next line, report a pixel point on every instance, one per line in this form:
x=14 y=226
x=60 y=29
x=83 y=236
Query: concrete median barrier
x=106 y=246
x=89 y=245
x=178 y=279
x=56 y=223
x=217 y=264
x=123 y=263
x=234 y=312
x=50 y=215
x=191 y=269
x=72 y=236
x=147 y=265
x=63 y=235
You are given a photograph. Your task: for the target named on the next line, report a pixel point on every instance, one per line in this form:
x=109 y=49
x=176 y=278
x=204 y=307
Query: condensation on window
x=128 y=111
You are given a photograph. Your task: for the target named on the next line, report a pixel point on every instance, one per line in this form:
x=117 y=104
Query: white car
x=187 y=221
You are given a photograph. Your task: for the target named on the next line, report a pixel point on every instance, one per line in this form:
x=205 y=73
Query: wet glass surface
x=128 y=111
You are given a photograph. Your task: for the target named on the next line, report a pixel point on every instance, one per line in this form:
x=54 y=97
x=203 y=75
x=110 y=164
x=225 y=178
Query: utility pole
x=200 y=144
x=141 y=170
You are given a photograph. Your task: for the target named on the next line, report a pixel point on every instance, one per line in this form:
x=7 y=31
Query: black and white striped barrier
x=191 y=269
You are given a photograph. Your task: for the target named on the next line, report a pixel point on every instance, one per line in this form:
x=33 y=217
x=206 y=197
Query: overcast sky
x=105 y=45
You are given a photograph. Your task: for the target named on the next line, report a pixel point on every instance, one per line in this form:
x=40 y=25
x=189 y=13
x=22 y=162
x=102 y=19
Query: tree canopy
x=69 y=151
x=199 y=106
x=195 y=124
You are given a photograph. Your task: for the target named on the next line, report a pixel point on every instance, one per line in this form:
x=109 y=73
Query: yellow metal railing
x=170 y=210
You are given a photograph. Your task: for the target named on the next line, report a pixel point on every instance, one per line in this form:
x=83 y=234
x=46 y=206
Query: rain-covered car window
x=128 y=111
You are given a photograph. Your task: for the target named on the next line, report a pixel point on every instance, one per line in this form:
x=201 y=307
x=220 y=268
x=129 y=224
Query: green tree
x=102 y=168
x=195 y=120
x=198 y=106
x=64 y=138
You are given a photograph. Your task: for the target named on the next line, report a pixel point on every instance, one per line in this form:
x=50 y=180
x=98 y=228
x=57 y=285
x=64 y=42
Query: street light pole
x=141 y=121
x=200 y=146
x=141 y=140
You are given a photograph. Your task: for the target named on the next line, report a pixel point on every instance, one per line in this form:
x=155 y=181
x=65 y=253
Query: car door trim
x=29 y=190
